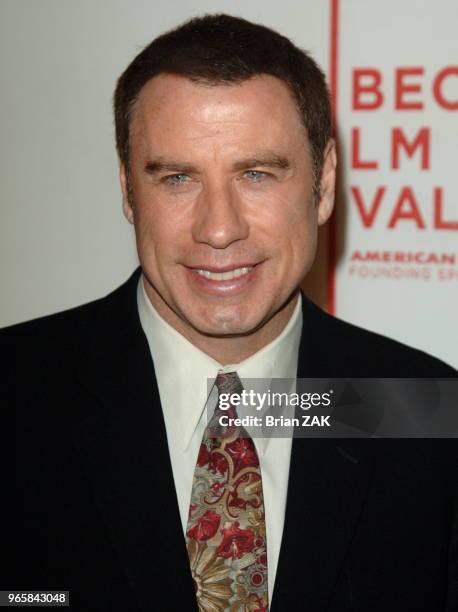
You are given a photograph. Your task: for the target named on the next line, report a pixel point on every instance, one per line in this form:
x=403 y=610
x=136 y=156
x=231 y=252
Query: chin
x=227 y=324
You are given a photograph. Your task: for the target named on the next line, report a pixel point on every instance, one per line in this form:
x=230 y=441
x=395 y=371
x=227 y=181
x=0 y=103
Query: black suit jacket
x=369 y=525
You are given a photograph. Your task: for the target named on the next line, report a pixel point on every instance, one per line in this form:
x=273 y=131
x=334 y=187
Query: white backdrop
x=63 y=238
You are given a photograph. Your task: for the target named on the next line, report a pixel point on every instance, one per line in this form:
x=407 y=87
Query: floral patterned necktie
x=226 y=533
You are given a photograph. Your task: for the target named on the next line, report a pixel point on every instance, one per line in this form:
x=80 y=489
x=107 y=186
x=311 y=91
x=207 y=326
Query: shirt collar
x=185 y=375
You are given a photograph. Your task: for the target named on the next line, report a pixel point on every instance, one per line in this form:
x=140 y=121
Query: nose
x=219 y=217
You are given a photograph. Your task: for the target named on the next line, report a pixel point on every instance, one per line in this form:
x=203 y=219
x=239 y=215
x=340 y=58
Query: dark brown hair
x=221 y=49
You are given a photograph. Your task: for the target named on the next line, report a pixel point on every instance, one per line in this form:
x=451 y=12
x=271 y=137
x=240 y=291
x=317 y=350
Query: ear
x=127 y=205
x=327 y=182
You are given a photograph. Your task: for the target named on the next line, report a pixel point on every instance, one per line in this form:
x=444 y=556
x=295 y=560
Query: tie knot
x=229 y=382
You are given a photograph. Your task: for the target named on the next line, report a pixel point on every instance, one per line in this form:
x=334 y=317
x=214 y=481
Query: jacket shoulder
x=369 y=354
x=73 y=323
x=57 y=326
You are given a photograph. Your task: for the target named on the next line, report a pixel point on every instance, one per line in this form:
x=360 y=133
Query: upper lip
x=220 y=269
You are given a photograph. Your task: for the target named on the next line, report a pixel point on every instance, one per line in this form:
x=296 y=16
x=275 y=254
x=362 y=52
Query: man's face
x=221 y=183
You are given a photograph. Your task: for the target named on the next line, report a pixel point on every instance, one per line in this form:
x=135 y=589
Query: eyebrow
x=269 y=160
x=161 y=165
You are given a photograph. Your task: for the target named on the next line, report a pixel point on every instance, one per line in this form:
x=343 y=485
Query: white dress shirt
x=184 y=374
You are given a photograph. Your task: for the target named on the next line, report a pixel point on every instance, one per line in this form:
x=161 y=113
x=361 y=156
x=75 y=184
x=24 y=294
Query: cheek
x=298 y=243
x=291 y=224
x=305 y=234
x=145 y=230
x=158 y=227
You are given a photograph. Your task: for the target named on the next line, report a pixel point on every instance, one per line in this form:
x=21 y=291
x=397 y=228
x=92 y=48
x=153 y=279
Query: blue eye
x=255 y=175
x=176 y=179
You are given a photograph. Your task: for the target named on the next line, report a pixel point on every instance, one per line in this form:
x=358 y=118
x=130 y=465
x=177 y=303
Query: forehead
x=172 y=109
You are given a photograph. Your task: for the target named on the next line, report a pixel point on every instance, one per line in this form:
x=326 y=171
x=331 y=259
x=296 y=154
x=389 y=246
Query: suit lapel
x=327 y=486
x=124 y=447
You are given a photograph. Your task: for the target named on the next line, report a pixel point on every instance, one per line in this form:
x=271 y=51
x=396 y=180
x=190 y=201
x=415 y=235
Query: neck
x=227 y=349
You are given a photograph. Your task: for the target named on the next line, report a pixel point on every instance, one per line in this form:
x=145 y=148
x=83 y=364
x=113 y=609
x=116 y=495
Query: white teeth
x=220 y=276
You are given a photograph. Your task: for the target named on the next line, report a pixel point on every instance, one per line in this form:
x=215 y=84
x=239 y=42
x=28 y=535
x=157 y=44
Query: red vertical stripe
x=333 y=78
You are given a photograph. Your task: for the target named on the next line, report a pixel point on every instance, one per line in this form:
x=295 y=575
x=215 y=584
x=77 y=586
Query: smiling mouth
x=224 y=276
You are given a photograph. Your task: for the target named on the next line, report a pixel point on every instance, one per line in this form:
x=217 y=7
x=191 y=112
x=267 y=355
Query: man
x=227 y=167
